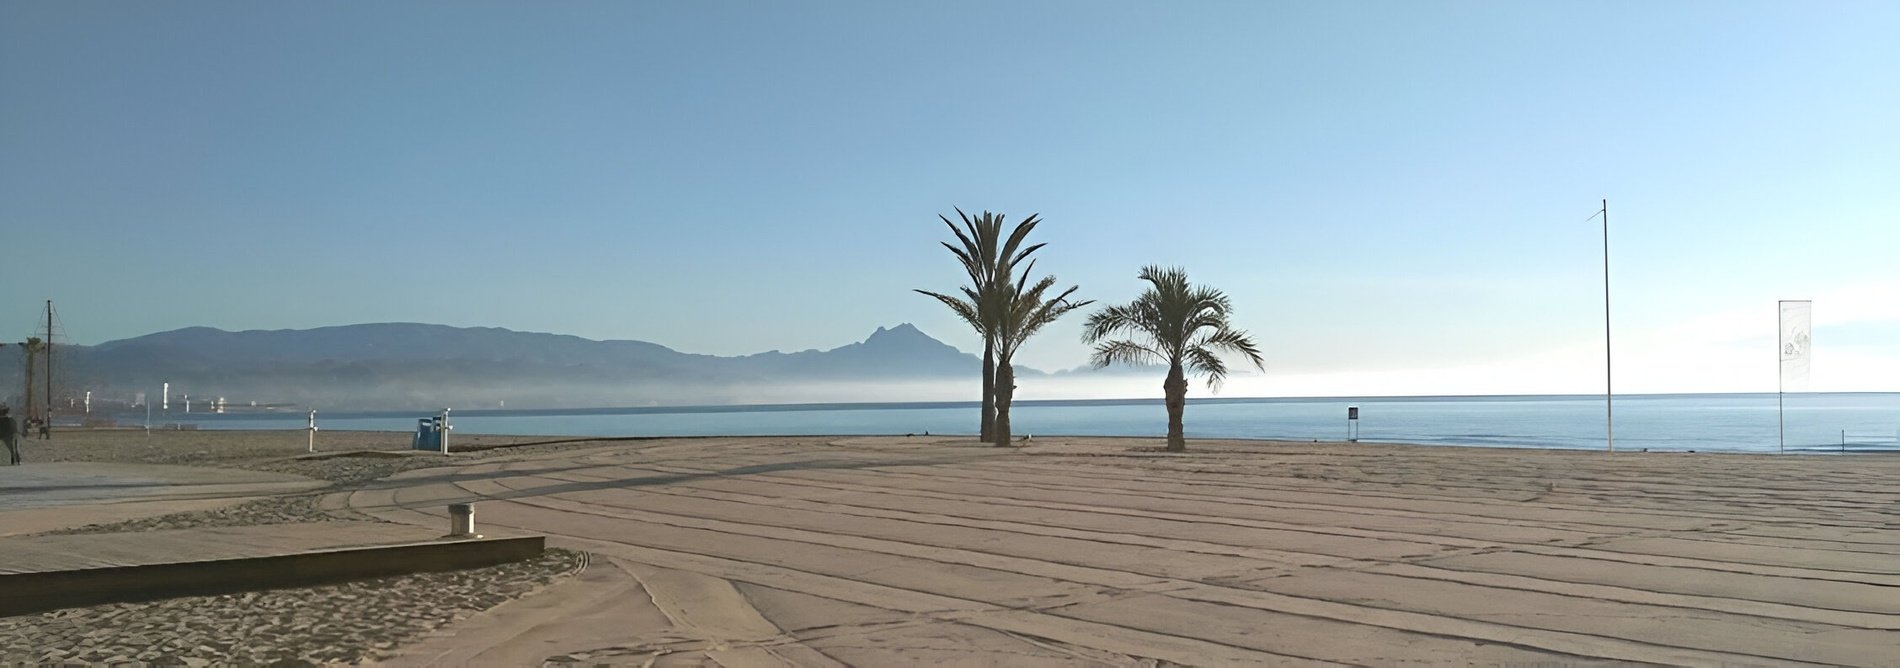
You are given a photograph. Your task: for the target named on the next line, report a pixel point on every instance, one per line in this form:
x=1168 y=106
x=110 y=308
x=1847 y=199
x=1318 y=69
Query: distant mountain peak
x=902 y=332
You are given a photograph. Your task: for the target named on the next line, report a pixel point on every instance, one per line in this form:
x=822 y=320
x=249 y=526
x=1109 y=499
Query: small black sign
x=1352 y=412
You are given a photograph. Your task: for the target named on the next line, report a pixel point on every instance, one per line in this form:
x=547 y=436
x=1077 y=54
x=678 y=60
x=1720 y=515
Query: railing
x=1870 y=441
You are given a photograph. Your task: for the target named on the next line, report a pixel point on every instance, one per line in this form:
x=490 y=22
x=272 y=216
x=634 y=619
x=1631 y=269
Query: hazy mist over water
x=1733 y=422
x=1057 y=387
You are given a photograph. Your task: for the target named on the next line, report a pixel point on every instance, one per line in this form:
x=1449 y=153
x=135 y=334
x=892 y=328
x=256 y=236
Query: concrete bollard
x=462 y=521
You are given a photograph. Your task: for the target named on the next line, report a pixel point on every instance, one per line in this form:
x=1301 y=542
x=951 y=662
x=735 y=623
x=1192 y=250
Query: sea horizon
x=1743 y=422
x=301 y=411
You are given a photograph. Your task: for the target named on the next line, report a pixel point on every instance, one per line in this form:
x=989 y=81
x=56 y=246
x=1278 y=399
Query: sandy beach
x=887 y=551
x=905 y=550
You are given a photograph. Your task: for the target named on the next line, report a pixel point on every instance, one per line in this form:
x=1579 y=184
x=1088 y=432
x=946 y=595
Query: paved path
x=43 y=497
x=903 y=551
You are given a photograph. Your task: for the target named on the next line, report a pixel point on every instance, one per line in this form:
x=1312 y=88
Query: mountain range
x=409 y=365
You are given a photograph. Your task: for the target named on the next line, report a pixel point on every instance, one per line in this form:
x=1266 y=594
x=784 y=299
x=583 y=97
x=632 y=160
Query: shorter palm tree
x=1174 y=322
x=1026 y=311
x=31 y=348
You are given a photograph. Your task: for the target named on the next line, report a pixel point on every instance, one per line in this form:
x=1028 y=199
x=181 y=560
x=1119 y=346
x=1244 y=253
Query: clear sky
x=1395 y=194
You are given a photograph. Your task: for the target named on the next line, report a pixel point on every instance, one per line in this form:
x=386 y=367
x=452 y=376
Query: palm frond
x=1123 y=352
x=1028 y=310
x=1046 y=312
x=1204 y=319
x=1204 y=361
x=1111 y=320
x=964 y=310
x=970 y=264
x=1210 y=298
x=1166 y=280
x=970 y=248
x=1009 y=251
x=1234 y=341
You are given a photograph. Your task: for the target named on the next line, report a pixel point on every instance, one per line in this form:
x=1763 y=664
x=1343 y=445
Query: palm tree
x=1183 y=325
x=1027 y=312
x=30 y=348
x=989 y=259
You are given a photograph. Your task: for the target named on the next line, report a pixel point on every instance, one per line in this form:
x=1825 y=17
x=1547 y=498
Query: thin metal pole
x=1781 y=420
x=1609 y=413
x=46 y=426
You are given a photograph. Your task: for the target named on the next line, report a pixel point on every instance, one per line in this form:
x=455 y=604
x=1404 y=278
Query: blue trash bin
x=426 y=436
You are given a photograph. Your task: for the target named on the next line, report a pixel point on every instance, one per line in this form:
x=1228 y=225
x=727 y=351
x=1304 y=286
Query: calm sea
x=1715 y=422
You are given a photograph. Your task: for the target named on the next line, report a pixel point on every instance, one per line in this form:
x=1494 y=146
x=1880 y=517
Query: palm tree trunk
x=1176 y=390
x=1005 y=390
x=989 y=389
x=32 y=350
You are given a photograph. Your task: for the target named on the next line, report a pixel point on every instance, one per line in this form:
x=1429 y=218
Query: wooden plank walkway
x=40 y=554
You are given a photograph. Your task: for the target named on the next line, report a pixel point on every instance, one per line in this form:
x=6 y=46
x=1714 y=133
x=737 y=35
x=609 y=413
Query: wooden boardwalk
x=40 y=554
x=887 y=551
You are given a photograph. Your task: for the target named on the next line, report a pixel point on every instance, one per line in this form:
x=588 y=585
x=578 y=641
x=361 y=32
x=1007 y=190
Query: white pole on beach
x=1609 y=413
x=1781 y=421
x=313 y=430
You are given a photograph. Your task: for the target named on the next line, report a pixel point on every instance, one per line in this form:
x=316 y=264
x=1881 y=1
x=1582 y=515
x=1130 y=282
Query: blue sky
x=1395 y=194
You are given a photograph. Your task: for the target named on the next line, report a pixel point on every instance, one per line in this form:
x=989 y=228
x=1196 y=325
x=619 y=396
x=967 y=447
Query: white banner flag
x=1796 y=343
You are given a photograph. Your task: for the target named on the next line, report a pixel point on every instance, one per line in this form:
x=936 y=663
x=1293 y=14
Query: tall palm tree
x=1028 y=311
x=989 y=258
x=1173 y=322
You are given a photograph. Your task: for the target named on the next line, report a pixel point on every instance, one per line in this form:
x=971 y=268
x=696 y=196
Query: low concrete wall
x=24 y=593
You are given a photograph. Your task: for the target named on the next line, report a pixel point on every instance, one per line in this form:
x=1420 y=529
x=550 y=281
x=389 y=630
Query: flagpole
x=1781 y=420
x=1609 y=413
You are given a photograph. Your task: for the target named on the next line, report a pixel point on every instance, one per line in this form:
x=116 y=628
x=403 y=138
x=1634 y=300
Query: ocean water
x=1816 y=423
